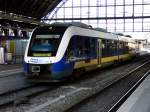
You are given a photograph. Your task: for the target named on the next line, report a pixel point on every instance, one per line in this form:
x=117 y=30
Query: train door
x=99 y=51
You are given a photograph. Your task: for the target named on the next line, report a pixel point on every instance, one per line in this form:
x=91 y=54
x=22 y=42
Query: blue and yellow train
x=54 y=52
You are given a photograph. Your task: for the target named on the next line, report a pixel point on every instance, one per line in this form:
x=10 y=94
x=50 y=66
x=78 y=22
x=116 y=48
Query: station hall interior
x=74 y=55
x=19 y=18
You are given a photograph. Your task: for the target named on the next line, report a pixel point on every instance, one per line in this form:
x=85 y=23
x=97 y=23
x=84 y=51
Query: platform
x=139 y=101
x=5 y=67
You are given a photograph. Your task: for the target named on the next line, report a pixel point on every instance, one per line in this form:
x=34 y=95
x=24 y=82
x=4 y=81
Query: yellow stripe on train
x=81 y=64
x=92 y=62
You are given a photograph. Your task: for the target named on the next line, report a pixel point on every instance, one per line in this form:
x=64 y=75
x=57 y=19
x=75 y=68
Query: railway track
x=22 y=95
x=61 y=98
x=141 y=74
x=109 y=99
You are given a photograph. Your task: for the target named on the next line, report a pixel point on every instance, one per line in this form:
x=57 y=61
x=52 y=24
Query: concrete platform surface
x=6 y=67
x=139 y=101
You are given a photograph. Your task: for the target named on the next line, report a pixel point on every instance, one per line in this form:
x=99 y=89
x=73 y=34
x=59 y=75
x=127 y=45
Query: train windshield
x=45 y=41
x=44 y=45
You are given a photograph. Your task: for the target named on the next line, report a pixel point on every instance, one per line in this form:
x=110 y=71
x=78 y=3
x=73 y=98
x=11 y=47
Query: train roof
x=123 y=38
x=101 y=29
x=91 y=33
x=84 y=31
x=102 y=33
x=78 y=24
x=132 y=40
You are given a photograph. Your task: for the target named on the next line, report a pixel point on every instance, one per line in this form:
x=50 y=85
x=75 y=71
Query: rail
x=124 y=98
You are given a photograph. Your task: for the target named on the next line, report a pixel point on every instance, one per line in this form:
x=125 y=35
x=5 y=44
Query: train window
x=75 y=47
x=120 y=47
x=70 y=49
x=115 y=47
x=123 y=48
x=104 y=48
x=109 y=48
x=87 y=47
x=126 y=47
x=78 y=48
x=93 y=47
x=81 y=47
x=44 y=45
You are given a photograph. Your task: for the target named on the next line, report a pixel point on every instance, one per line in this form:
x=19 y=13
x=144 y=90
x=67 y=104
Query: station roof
x=24 y=13
x=30 y=8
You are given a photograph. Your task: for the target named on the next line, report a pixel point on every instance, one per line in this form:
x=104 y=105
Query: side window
x=87 y=47
x=93 y=47
x=116 y=47
x=121 y=47
x=108 y=48
x=76 y=47
x=70 y=49
x=127 y=47
x=104 y=48
x=111 y=47
x=81 y=47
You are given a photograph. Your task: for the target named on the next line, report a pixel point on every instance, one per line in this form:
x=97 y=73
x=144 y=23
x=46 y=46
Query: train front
x=41 y=52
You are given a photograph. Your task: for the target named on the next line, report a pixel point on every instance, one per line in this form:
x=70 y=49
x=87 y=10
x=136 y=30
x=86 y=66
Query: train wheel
x=77 y=74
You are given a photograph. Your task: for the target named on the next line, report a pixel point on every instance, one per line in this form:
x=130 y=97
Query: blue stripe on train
x=25 y=67
x=62 y=69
